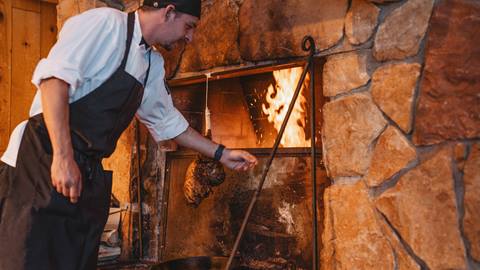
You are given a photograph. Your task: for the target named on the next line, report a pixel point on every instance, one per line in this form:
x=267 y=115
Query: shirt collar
x=144 y=43
x=137 y=34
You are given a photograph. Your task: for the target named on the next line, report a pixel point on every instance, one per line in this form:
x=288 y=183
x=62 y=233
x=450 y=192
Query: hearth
x=244 y=110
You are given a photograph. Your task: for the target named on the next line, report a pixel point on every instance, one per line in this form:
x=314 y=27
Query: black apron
x=39 y=228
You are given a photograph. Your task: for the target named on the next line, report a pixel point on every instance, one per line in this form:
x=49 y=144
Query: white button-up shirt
x=89 y=49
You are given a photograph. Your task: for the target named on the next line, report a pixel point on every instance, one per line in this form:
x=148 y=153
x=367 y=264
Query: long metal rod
x=313 y=170
x=308 y=44
x=139 y=191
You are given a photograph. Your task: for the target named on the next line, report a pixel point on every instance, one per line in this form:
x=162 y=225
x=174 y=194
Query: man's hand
x=234 y=159
x=66 y=177
x=238 y=160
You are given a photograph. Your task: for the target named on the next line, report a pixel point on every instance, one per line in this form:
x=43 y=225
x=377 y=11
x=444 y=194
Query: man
x=54 y=193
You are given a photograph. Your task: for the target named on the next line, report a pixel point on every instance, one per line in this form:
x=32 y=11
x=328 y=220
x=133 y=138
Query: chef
x=54 y=193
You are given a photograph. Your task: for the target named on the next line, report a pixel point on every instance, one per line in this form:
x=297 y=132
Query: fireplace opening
x=245 y=111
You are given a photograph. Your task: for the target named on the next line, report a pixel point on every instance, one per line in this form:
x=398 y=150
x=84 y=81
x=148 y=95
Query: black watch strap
x=219 y=152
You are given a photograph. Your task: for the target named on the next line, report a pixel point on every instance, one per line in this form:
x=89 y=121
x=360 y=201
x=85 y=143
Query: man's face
x=181 y=27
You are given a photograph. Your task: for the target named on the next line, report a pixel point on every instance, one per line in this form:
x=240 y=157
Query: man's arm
x=66 y=176
x=234 y=159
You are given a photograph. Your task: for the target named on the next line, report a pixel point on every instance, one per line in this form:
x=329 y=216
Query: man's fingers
x=66 y=188
x=70 y=189
x=59 y=188
x=243 y=166
x=66 y=178
x=73 y=199
x=241 y=160
x=249 y=161
x=237 y=166
x=74 y=194
x=249 y=157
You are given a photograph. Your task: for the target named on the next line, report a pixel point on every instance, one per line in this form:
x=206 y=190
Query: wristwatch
x=219 y=152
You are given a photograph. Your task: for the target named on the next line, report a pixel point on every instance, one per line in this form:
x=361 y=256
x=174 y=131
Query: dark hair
x=192 y=7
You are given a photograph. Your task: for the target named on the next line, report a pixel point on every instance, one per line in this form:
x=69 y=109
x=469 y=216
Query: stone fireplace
x=398 y=85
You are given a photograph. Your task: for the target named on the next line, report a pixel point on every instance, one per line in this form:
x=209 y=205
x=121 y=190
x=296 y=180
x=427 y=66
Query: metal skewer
x=313 y=168
x=308 y=44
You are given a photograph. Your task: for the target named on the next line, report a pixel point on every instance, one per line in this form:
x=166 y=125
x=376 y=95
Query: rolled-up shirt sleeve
x=157 y=111
x=82 y=49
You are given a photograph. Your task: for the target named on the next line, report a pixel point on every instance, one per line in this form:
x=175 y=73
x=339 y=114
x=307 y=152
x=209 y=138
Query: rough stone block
x=392 y=153
x=471 y=220
x=361 y=20
x=352 y=236
x=215 y=39
x=345 y=72
x=422 y=208
x=393 y=90
x=400 y=35
x=448 y=106
x=275 y=29
x=350 y=126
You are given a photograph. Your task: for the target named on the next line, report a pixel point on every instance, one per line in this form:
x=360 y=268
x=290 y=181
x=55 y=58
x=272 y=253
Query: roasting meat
x=202 y=174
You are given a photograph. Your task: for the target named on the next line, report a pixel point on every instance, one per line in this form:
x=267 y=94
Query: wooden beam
x=50 y=1
x=25 y=56
x=232 y=72
x=30 y=5
x=48 y=27
x=5 y=71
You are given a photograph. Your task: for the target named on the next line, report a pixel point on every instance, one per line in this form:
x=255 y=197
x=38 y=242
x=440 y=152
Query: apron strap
x=130 y=25
x=148 y=69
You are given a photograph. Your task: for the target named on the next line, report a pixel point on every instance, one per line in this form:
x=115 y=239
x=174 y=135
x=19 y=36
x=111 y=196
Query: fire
x=277 y=101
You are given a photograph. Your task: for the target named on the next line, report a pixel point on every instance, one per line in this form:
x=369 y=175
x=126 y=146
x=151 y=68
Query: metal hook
x=208 y=75
x=308 y=44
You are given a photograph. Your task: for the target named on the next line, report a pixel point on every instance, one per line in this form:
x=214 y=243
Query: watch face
x=166 y=86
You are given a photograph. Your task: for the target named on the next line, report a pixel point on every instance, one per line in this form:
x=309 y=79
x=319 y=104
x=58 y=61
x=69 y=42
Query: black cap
x=192 y=7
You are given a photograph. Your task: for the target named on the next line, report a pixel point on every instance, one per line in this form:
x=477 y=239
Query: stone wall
x=401 y=138
x=401 y=128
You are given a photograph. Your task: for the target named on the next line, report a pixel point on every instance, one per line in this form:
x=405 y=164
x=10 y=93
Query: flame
x=277 y=101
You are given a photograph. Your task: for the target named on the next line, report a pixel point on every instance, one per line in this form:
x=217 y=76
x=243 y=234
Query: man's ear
x=170 y=12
